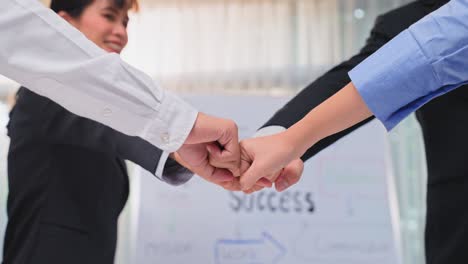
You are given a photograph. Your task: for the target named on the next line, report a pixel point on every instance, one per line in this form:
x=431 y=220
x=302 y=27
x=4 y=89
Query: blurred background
x=258 y=47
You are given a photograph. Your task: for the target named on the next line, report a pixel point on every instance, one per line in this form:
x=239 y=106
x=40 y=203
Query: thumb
x=251 y=176
x=223 y=158
x=291 y=175
x=214 y=150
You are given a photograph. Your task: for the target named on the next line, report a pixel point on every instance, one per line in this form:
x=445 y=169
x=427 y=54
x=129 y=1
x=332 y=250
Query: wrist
x=175 y=156
x=300 y=141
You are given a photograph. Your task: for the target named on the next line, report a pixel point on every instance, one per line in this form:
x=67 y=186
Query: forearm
x=341 y=111
x=328 y=141
x=423 y=62
x=57 y=125
x=53 y=59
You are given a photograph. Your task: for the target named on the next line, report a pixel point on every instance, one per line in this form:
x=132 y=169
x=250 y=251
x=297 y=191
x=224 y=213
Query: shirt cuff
x=162 y=162
x=268 y=131
x=171 y=172
x=393 y=79
x=173 y=123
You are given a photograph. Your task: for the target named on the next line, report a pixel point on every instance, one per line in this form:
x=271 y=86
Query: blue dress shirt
x=427 y=60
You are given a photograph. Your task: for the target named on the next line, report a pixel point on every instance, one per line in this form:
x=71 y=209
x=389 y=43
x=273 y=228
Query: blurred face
x=102 y=23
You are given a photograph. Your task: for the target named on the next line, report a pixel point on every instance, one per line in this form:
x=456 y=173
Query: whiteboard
x=340 y=211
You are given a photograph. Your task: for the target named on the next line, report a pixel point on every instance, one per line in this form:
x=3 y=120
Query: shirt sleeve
x=425 y=61
x=43 y=52
x=171 y=172
x=38 y=118
x=268 y=131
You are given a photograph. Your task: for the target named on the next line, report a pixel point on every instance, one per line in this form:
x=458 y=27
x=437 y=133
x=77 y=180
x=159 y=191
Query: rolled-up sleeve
x=43 y=52
x=425 y=61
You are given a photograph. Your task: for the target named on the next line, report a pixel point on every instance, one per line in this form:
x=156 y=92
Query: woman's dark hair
x=75 y=7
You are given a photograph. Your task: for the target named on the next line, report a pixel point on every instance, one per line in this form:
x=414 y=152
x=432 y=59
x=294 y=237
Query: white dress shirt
x=44 y=53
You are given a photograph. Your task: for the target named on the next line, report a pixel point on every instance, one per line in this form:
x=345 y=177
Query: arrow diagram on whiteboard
x=265 y=250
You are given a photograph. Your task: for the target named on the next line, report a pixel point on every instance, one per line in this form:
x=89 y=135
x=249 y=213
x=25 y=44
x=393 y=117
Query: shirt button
x=165 y=137
x=107 y=112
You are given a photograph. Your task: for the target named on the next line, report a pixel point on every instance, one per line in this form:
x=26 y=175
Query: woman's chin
x=110 y=50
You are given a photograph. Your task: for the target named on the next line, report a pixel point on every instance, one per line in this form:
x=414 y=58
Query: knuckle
x=232 y=124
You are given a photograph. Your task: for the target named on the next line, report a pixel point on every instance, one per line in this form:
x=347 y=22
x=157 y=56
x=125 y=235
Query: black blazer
x=67 y=183
x=444 y=122
x=386 y=27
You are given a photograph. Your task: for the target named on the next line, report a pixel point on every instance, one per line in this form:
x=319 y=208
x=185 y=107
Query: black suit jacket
x=386 y=27
x=68 y=183
x=444 y=122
